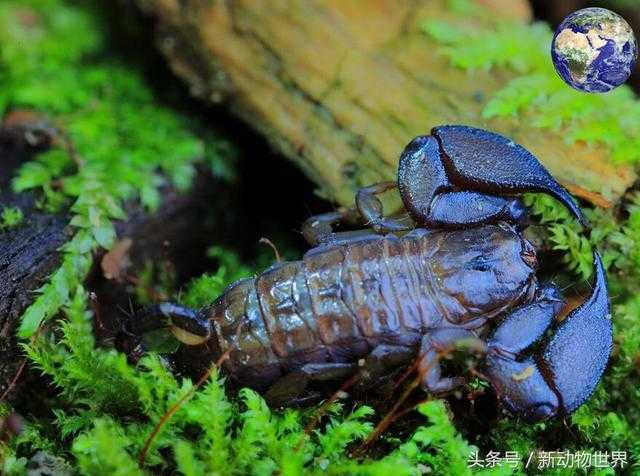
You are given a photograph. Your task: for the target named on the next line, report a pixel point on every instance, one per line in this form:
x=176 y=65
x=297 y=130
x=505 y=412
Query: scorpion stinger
x=457 y=176
x=560 y=378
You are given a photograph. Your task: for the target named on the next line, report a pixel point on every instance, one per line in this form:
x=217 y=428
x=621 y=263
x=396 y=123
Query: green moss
x=10 y=218
x=115 y=142
x=204 y=289
x=614 y=233
x=465 y=7
x=155 y=282
x=620 y=3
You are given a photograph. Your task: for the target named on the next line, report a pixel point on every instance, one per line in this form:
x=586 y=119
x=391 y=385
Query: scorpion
x=407 y=288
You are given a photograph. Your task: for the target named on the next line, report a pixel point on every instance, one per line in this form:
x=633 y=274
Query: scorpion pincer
x=411 y=286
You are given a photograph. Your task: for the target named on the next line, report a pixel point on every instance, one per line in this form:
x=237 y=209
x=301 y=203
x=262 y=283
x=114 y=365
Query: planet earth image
x=594 y=50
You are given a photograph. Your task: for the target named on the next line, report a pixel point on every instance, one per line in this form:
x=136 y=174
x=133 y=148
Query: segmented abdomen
x=332 y=306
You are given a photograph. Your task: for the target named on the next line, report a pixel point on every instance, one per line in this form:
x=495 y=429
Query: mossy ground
x=116 y=143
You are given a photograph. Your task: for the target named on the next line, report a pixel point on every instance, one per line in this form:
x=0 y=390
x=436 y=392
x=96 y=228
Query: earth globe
x=594 y=50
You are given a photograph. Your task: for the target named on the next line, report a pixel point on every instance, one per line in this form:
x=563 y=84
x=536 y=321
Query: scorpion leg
x=382 y=361
x=318 y=229
x=187 y=325
x=434 y=345
x=557 y=379
x=291 y=389
x=450 y=178
x=370 y=207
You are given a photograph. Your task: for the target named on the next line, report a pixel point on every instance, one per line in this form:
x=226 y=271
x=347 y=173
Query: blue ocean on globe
x=594 y=50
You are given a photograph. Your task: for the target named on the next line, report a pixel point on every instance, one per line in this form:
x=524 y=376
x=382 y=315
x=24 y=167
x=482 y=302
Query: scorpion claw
x=560 y=378
x=458 y=176
x=578 y=353
x=489 y=162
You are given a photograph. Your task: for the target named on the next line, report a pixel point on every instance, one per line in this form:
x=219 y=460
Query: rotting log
x=341 y=86
x=28 y=254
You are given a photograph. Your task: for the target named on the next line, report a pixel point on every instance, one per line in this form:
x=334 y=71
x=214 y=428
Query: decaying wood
x=341 y=86
x=28 y=254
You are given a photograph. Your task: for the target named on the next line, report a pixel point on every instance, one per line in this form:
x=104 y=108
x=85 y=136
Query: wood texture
x=28 y=254
x=340 y=87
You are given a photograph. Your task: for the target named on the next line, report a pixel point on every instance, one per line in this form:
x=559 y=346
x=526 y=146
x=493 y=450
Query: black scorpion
x=412 y=287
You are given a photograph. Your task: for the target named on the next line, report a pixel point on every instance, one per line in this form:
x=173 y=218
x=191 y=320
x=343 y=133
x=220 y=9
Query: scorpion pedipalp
x=459 y=174
x=560 y=377
x=578 y=352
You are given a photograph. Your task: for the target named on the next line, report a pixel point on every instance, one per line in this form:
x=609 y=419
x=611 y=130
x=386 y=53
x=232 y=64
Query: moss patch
x=113 y=140
x=10 y=218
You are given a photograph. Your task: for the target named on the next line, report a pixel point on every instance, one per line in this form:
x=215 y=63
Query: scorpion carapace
x=413 y=286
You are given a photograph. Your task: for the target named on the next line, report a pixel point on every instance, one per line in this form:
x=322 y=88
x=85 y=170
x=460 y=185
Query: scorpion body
x=412 y=287
x=340 y=302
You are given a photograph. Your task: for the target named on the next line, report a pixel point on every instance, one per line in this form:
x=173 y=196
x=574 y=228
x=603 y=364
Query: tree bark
x=341 y=87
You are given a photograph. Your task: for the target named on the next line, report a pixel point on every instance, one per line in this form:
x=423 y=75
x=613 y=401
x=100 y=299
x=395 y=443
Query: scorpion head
x=484 y=271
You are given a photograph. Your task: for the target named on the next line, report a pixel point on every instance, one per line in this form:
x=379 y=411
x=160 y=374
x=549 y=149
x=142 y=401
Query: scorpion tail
x=559 y=378
x=187 y=325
